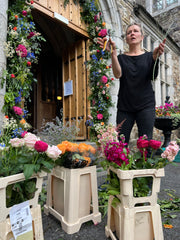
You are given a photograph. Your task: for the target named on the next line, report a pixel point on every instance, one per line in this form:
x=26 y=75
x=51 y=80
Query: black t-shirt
x=136 y=92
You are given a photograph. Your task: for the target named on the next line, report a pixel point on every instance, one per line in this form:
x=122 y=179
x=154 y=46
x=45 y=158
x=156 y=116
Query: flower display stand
x=72 y=197
x=5 y=226
x=5 y=230
x=135 y=218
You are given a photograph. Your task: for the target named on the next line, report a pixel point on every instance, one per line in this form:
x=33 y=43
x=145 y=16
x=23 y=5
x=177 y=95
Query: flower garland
x=22 y=49
x=100 y=79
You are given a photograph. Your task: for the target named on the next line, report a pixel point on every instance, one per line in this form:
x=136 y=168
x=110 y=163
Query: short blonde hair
x=137 y=24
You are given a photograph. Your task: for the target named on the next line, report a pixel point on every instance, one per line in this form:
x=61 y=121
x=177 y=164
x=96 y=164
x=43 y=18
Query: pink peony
x=17 y=110
x=103 y=32
x=99 y=116
x=154 y=144
x=17 y=142
x=104 y=79
x=30 y=139
x=142 y=143
x=21 y=50
x=40 y=146
x=53 y=152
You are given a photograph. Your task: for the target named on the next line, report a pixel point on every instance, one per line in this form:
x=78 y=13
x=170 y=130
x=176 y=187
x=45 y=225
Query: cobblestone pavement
x=89 y=231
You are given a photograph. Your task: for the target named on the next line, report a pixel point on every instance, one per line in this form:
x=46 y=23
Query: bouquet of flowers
x=27 y=154
x=76 y=155
x=168 y=110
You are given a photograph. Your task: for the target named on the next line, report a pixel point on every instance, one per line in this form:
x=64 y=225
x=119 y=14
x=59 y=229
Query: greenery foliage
x=22 y=49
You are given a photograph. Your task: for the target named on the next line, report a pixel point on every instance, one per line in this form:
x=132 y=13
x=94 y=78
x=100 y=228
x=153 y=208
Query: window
x=158 y=5
x=169 y=2
x=145 y=42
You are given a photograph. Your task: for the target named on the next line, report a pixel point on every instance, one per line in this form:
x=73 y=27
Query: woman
x=136 y=100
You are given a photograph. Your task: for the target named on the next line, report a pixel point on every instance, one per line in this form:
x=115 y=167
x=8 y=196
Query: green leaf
x=28 y=170
x=48 y=165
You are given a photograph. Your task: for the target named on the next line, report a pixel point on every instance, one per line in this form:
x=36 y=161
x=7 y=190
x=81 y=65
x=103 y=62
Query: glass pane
x=158 y=5
x=169 y=2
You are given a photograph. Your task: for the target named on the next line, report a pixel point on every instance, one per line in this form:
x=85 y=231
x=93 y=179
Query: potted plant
x=133 y=182
x=167 y=119
x=72 y=187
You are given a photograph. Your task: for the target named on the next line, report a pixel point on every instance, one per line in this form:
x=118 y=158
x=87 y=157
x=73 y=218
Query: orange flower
x=107 y=67
x=16 y=17
x=23 y=121
x=14 y=28
x=103 y=24
x=6 y=116
x=107 y=85
x=168 y=226
x=83 y=147
x=102 y=123
x=62 y=148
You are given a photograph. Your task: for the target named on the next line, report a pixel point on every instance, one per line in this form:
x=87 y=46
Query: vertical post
x=3 y=34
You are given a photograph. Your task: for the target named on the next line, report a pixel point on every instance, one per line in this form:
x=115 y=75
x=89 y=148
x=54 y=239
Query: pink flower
x=154 y=144
x=31 y=34
x=53 y=152
x=30 y=139
x=23 y=134
x=17 y=110
x=171 y=151
x=104 y=79
x=24 y=13
x=17 y=142
x=99 y=116
x=103 y=32
x=40 y=146
x=21 y=50
x=142 y=142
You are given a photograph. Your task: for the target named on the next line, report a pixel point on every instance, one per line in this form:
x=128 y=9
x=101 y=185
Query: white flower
x=53 y=152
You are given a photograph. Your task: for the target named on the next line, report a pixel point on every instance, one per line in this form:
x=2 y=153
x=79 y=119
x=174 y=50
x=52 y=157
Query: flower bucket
x=135 y=218
x=5 y=232
x=72 y=197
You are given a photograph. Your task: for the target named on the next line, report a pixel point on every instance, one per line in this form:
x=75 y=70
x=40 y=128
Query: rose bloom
x=99 y=116
x=154 y=144
x=29 y=64
x=53 y=152
x=30 y=139
x=40 y=146
x=142 y=143
x=104 y=79
x=23 y=133
x=17 y=110
x=24 y=13
x=17 y=142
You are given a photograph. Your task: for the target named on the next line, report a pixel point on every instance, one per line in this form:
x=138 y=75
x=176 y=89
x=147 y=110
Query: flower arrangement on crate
x=76 y=155
x=29 y=155
x=116 y=154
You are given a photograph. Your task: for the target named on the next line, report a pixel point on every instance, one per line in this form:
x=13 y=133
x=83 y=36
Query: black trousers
x=144 y=120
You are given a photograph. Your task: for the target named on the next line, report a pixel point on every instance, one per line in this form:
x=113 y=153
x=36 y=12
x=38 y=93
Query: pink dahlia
x=99 y=116
x=103 y=32
x=104 y=79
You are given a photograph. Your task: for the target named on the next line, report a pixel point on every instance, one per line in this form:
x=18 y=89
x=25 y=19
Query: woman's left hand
x=159 y=50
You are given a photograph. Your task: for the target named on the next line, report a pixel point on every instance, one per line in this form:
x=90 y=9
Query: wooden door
x=75 y=105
